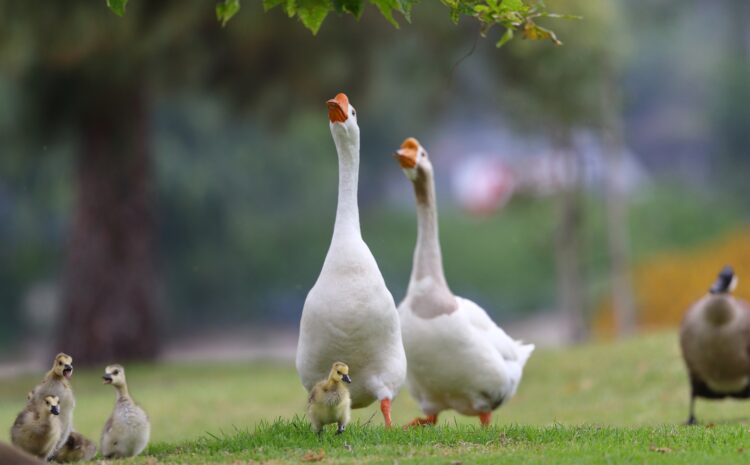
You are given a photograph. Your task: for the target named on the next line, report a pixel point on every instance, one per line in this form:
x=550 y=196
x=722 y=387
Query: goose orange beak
x=338 y=108
x=407 y=153
x=407 y=158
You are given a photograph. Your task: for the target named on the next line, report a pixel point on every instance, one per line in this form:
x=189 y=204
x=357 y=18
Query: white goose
x=349 y=314
x=458 y=358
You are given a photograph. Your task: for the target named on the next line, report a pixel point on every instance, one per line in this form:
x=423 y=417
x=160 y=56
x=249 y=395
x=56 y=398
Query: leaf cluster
x=516 y=16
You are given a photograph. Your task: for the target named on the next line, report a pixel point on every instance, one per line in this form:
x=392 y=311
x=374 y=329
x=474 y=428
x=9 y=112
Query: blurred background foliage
x=204 y=152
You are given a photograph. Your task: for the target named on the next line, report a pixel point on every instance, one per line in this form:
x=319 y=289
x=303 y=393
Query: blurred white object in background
x=483 y=184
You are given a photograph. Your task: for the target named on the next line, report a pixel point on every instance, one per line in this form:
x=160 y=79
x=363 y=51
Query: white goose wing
x=510 y=349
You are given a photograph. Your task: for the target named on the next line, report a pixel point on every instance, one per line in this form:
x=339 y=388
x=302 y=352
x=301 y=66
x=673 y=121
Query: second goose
x=458 y=358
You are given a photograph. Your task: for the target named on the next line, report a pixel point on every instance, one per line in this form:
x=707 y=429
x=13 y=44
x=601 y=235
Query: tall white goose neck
x=428 y=260
x=347 y=211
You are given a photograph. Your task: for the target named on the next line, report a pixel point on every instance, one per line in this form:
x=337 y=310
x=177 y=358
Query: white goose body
x=458 y=358
x=349 y=314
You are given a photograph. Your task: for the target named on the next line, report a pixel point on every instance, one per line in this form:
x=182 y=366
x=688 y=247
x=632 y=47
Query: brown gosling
x=77 y=448
x=37 y=428
x=127 y=430
x=329 y=400
x=15 y=456
x=57 y=383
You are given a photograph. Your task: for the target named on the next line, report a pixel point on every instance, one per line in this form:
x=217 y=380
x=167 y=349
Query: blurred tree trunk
x=110 y=300
x=617 y=210
x=568 y=242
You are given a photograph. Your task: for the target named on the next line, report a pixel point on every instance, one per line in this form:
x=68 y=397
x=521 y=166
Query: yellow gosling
x=329 y=400
x=37 y=428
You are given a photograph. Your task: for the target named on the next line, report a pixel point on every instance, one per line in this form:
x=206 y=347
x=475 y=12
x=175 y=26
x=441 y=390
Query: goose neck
x=428 y=260
x=347 y=210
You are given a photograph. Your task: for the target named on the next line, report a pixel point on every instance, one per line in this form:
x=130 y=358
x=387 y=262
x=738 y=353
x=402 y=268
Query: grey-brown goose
x=715 y=342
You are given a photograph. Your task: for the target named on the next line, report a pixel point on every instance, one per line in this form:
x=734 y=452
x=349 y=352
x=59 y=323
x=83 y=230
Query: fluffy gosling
x=56 y=383
x=38 y=428
x=77 y=448
x=329 y=400
x=127 y=430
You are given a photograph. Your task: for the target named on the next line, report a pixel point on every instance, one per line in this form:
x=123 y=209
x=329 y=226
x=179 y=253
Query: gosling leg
x=341 y=428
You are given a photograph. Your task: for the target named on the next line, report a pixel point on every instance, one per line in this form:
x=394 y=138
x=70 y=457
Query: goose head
x=339 y=373
x=63 y=365
x=413 y=159
x=343 y=119
x=114 y=375
x=52 y=405
x=726 y=282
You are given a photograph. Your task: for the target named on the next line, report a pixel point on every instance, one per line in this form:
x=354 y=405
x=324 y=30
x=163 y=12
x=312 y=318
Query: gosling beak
x=55 y=410
x=346 y=379
x=107 y=379
x=68 y=371
x=338 y=108
x=407 y=158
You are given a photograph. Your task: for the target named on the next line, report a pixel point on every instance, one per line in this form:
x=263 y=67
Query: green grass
x=602 y=403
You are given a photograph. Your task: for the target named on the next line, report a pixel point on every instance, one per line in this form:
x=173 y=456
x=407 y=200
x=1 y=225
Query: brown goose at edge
x=715 y=342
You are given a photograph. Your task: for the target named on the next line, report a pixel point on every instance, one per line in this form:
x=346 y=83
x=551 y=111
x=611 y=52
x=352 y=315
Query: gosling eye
x=339 y=373
x=60 y=363
x=116 y=372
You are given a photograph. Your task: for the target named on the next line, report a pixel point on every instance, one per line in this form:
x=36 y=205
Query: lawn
x=600 y=403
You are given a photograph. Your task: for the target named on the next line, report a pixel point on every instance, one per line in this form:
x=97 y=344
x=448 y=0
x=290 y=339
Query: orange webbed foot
x=485 y=419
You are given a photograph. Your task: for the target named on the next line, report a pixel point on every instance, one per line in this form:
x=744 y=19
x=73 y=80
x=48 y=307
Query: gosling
x=329 y=400
x=77 y=448
x=13 y=455
x=127 y=430
x=57 y=383
x=37 y=428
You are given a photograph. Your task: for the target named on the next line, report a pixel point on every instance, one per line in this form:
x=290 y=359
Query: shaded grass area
x=599 y=403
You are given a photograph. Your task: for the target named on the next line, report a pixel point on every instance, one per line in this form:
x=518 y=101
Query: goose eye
x=354 y=113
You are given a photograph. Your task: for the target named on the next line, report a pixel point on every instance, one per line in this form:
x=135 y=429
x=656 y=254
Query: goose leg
x=421 y=421
x=485 y=419
x=385 y=407
x=691 y=416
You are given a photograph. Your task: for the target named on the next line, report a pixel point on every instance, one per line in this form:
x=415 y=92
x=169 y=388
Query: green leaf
x=355 y=7
x=290 y=7
x=313 y=12
x=406 y=7
x=386 y=8
x=117 y=6
x=226 y=9
x=268 y=4
x=507 y=36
